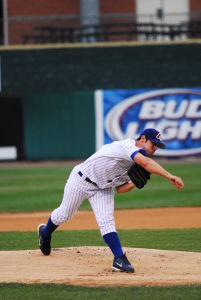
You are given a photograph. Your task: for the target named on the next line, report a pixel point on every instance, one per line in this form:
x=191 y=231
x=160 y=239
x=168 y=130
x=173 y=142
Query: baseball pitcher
x=123 y=165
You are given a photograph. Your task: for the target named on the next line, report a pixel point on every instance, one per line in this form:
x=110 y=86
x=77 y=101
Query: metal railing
x=113 y=31
x=110 y=27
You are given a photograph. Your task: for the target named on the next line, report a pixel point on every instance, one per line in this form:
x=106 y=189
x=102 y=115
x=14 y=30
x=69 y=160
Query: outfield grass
x=51 y=291
x=41 y=189
x=169 y=239
x=31 y=189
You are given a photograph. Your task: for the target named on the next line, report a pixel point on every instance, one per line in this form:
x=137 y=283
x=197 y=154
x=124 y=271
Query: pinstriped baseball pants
x=76 y=190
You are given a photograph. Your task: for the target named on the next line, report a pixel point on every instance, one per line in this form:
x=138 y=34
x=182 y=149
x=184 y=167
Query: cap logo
x=158 y=136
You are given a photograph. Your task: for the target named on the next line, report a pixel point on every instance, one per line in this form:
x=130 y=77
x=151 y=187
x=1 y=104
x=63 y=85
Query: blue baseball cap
x=154 y=136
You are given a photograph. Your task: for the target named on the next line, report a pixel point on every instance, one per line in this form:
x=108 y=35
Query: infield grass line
x=165 y=239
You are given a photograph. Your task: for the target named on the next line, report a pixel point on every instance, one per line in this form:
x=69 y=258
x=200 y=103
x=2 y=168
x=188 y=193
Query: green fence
x=60 y=70
x=59 y=125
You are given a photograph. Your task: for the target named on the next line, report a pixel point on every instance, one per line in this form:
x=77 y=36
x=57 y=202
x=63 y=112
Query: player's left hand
x=177 y=182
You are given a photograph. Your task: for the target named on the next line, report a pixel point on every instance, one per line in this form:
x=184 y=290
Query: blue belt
x=87 y=179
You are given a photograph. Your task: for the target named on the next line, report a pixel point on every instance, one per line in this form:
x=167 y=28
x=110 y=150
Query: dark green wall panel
x=58 y=70
x=59 y=125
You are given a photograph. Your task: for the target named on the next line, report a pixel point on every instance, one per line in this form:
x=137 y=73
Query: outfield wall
x=59 y=125
x=56 y=86
x=44 y=70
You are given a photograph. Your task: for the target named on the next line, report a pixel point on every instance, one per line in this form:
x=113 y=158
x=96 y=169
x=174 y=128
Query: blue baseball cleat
x=44 y=244
x=121 y=264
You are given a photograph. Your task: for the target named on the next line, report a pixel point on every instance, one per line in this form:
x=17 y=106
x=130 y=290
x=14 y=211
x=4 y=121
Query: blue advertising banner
x=176 y=113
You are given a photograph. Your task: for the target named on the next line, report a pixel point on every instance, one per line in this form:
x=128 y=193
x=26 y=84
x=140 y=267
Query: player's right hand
x=177 y=182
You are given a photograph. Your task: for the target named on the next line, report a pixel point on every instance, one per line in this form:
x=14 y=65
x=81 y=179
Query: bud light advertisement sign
x=176 y=113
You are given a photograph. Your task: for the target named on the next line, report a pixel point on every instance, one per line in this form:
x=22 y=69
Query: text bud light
x=176 y=113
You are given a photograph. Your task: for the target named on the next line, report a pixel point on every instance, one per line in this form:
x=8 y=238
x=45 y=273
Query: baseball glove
x=138 y=175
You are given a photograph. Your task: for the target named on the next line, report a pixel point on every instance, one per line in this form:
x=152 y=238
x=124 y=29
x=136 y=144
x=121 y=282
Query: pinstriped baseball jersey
x=95 y=179
x=108 y=167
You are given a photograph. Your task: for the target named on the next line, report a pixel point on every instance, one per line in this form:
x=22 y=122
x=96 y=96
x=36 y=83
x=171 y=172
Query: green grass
x=41 y=189
x=31 y=189
x=169 y=239
x=51 y=291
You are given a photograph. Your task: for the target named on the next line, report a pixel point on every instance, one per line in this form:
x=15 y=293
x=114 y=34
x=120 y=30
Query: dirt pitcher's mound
x=91 y=266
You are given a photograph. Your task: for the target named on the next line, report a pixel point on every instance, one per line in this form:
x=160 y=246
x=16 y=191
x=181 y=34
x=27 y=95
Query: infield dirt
x=152 y=218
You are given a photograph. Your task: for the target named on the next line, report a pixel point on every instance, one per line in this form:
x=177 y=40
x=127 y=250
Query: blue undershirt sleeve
x=141 y=151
